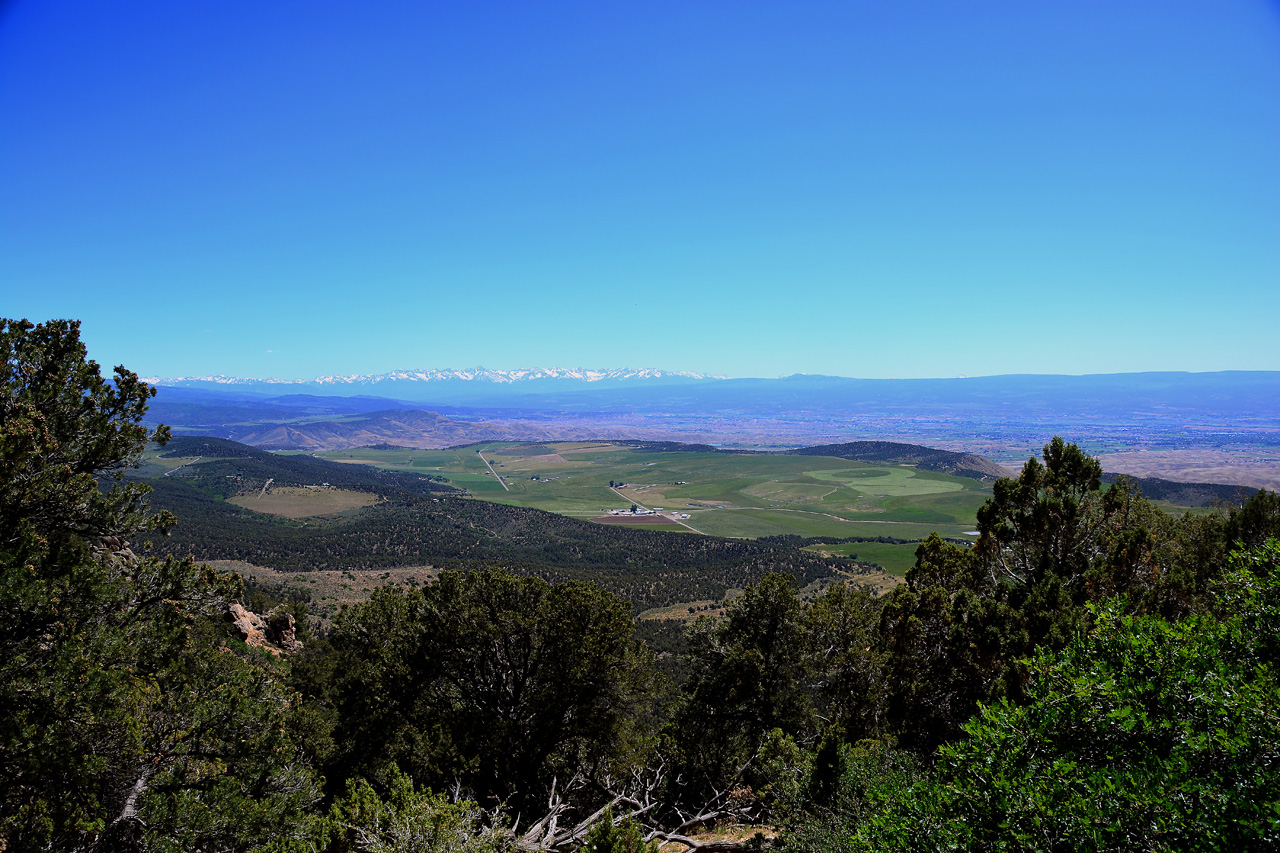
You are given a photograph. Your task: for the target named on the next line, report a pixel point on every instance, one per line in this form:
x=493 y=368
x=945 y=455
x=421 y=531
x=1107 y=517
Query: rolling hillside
x=417 y=521
x=924 y=458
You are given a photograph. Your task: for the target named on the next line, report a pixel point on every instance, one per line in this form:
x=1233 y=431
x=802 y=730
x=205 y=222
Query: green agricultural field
x=737 y=495
x=894 y=559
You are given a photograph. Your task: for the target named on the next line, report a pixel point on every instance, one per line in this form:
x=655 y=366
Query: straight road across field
x=493 y=472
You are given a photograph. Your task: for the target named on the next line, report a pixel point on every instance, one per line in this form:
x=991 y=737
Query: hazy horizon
x=909 y=190
x=633 y=369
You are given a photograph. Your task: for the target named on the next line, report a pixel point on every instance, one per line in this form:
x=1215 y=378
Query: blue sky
x=867 y=189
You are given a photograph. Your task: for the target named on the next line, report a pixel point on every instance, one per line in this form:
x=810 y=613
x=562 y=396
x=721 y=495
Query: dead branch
x=634 y=800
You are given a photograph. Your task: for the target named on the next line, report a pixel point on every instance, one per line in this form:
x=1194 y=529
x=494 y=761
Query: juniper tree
x=125 y=721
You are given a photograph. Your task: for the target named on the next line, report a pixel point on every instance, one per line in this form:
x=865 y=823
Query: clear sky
x=868 y=189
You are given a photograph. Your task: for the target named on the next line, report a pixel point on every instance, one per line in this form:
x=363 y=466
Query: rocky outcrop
x=276 y=632
x=282 y=630
x=247 y=625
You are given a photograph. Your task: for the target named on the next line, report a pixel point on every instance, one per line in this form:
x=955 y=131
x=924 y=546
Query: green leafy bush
x=408 y=820
x=608 y=836
x=1143 y=734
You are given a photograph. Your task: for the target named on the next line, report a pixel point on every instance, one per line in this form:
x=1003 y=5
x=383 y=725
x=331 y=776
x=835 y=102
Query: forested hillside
x=1186 y=494
x=896 y=453
x=229 y=468
x=418 y=523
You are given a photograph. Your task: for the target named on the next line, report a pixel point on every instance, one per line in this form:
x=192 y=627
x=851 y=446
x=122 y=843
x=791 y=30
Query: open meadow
x=304 y=501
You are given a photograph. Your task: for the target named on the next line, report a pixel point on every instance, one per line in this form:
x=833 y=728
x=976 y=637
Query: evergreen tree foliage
x=849 y=785
x=1051 y=541
x=407 y=819
x=495 y=680
x=750 y=676
x=127 y=723
x=1144 y=734
x=610 y=836
x=946 y=636
x=1255 y=522
x=842 y=628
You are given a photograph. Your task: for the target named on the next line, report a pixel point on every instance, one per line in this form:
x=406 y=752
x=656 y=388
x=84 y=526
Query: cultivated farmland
x=722 y=494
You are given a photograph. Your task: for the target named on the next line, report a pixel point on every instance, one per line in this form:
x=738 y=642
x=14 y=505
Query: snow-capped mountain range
x=411 y=384
x=475 y=374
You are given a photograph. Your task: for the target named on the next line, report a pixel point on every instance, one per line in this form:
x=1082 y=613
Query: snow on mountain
x=476 y=374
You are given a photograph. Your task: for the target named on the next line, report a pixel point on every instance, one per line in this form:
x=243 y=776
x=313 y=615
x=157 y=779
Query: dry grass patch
x=880 y=582
x=301 y=502
x=729 y=833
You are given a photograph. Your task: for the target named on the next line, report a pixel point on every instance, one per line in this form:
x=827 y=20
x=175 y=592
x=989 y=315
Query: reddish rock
x=276 y=632
x=247 y=625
